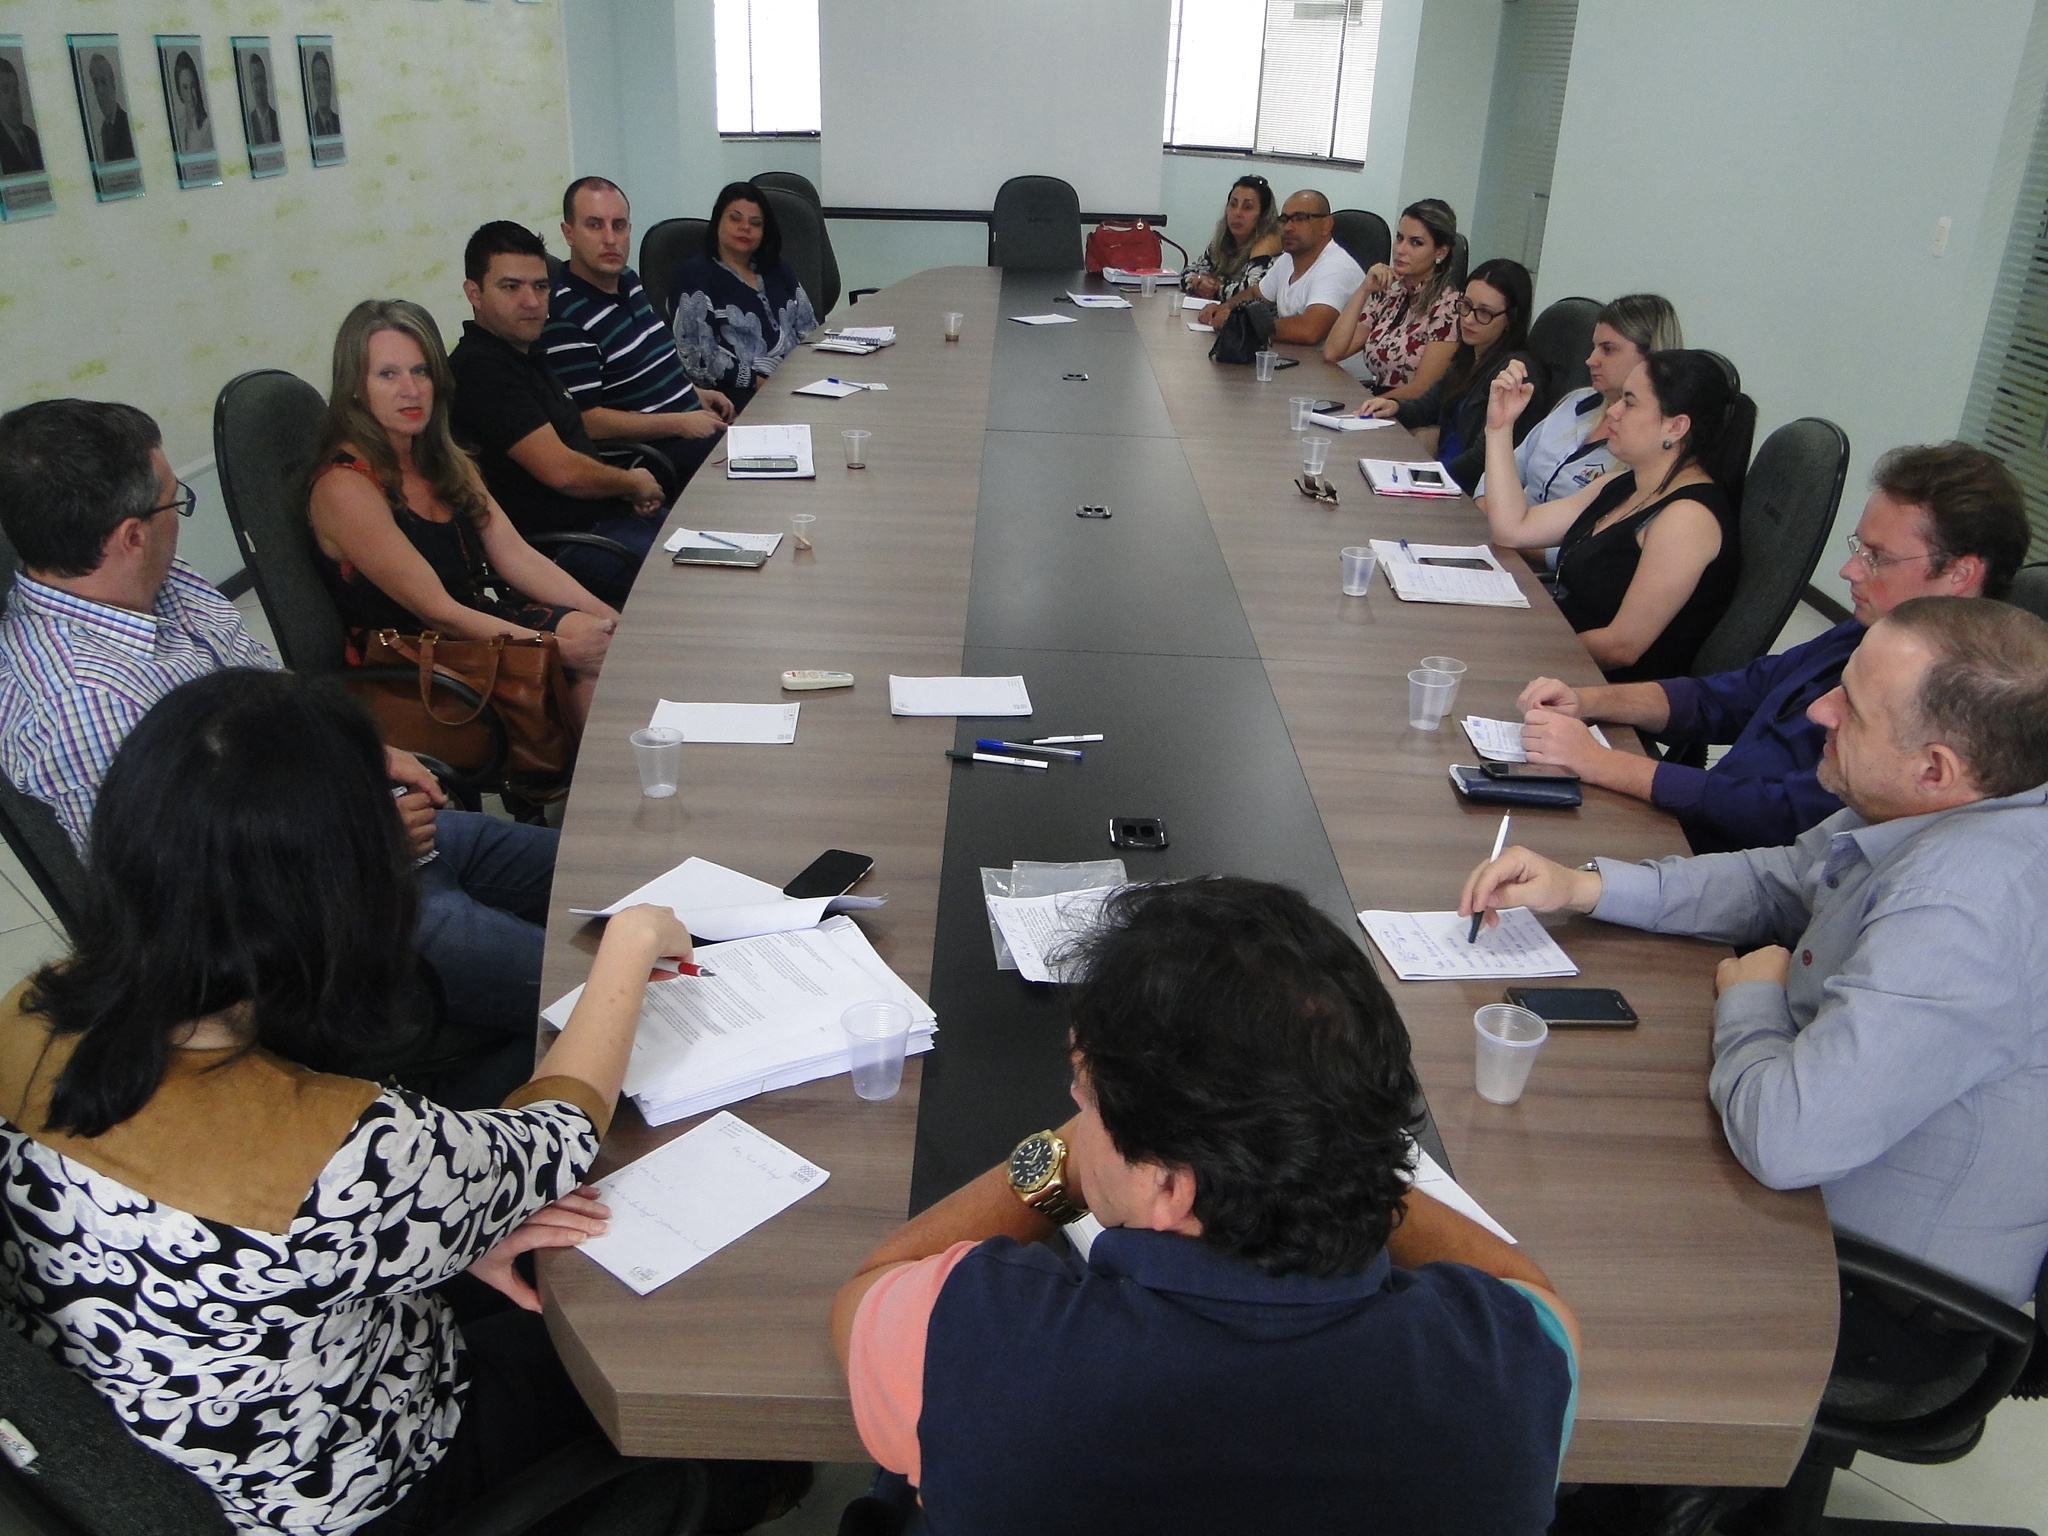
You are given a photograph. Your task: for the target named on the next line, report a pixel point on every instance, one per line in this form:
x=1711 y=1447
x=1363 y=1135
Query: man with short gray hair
x=1896 y=1054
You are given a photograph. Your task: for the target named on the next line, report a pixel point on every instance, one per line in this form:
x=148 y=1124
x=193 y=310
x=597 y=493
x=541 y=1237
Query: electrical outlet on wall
x=1941 y=228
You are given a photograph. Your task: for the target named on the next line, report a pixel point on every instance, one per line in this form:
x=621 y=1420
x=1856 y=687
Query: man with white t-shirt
x=1309 y=281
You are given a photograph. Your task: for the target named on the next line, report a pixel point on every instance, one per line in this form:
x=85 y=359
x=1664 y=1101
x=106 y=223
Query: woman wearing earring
x=1648 y=555
x=1399 y=331
x=1247 y=239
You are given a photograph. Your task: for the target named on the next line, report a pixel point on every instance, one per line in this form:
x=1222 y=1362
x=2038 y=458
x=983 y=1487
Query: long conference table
x=1257 y=711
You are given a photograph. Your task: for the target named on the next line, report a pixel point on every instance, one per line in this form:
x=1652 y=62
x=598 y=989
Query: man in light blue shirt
x=1896 y=1054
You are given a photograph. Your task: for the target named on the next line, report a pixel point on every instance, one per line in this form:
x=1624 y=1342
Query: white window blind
x=2008 y=410
x=1278 y=77
x=766 y=59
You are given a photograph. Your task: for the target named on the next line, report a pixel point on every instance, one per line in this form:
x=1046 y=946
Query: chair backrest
x=1364 y=235
x=665 y=247
x=1461 y=255
x=1036 y=226
x=1561 y=338
x=1788 y=506
x=30 y=827
x=90 y=1477
x=2030 y=591
x=265 y=425
x=803 y=241
x=828 y=265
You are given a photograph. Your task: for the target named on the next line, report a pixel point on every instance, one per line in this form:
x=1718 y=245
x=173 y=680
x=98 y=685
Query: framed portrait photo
x=24 y=176
x=256 y=82
x=322 y=98
x=103 y=111
x=194 y=151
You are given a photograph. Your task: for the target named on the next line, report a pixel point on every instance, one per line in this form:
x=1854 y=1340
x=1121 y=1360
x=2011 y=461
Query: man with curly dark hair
x=1210 y=1301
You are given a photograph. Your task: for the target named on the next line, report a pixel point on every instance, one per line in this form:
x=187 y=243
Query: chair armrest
x=642 y=456
x=854 y=297
x=587 y=540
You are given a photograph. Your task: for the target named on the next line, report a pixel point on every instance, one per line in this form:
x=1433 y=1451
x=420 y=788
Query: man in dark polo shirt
x=612 y=352
x=527 y=434
x=1269 y=1330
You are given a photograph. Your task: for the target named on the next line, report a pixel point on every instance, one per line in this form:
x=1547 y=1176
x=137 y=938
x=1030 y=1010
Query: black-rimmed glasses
x=187 y=502
x=1478 y=312
x=1302 y=218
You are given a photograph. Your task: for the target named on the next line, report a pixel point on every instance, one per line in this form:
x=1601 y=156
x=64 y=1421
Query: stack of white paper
x=714 y=538
x=875 y=335
x=1500 y=741
x=1132 y=277
x=836 y=389
x=1196 y=325
x=857 y=339
x=767 y=1017
x=1100 y=300
x=685 y=1200
x=1431 y=946
x=1047 y=319
x=764 y=724
x=1189 y=301
x=1040 y=929
x=716 y=903
x=1344 y=421
x=1415 y=576
x=971 y=696
x=777 y=442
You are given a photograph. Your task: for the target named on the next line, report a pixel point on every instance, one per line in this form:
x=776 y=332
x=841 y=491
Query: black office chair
x=90 y=1477
x=1461 y=254
x=1561 y=338
x=1364 y=235
x=1036 y=226
x=803 y=242
x=665 y=247
x=30 y=827
x=828 y=263
x=2030 y=589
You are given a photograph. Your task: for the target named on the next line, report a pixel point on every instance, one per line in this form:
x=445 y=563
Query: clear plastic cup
x=1429 y=697
x=1507 y=1043
x=1264 y=361
x=876 y=1033
x=658 y=753
x=1359 y=561
x=1148 y=284
x=856 y=447
x=1315 y=453
x=954 y=320
x=1449 y=664
x=801 y=524
x=1298 y=408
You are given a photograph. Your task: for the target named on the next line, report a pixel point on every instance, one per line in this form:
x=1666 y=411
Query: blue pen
x=714 y=538
x=1406 y=550
x=988 y=744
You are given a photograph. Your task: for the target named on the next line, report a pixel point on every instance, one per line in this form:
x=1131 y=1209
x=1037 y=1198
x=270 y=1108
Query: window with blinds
x=765 y=56
x=1274 y=77
x=1521 y=130
x=2008 y=409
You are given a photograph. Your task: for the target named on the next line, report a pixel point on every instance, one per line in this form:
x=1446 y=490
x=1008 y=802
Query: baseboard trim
x=1815 y=598
x=242 y=581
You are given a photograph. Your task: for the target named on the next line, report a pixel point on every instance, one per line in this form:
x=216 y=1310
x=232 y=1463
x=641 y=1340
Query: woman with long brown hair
x=1399 y=331
x=409 y=537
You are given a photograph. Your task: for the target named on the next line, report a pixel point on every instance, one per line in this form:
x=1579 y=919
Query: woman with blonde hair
x=1399 y=331
x=1247 y=239
x=409 y=538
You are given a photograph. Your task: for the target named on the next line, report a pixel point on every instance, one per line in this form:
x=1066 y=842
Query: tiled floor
x=2003 y=1482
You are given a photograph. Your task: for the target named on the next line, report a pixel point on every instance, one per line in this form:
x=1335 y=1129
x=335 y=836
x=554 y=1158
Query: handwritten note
x=1431 y=946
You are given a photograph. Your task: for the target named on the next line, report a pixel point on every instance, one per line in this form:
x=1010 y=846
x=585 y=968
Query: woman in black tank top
x=1650 y=554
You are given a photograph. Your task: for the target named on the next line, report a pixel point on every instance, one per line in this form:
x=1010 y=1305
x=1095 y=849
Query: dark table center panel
x=1029 y=390
x=1130 y=627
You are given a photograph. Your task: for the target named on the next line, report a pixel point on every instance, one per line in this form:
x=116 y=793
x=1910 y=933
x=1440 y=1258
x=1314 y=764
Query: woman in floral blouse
x=1247 y=239
x=1400 y=330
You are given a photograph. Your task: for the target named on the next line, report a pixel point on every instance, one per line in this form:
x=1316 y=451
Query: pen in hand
x=1500 y=841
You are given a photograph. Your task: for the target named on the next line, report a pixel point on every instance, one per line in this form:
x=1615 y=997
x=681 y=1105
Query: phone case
x=1471 y=782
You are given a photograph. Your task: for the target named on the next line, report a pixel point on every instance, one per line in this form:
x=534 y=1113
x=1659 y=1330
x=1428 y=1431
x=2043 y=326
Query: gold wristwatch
x=1038 y=1176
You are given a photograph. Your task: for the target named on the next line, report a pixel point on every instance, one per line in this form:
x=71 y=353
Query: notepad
x=713 y=538
x=831 y=389
x=1431 y=946
x=1428 y=479
x=777 y=442
x=684 y=1201
x=970 y=696
x=762 y=724
x=1196 y=325
x=1190 y=301
x=1047 y=319
x=1346 y=422
x=1500 y=741
x=1100 y=300
x=1414 y=581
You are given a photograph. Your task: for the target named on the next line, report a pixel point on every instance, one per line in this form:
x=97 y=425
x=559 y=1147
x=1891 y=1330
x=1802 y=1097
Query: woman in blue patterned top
x=739 y=308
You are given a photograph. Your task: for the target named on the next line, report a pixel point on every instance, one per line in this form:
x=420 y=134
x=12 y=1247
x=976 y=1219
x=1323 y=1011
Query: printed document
x=1100 y=300
x=1431 y=946
x=759 y=723
x=970 y=696
x=1344 y=421
x=779 y=442
x=1415 y=582
x=1431 y=1179
x=1039 y=928
x=683 y=1202
x=1047 y=319
x=1500 y=741
x=717 y=538
x=716 y=903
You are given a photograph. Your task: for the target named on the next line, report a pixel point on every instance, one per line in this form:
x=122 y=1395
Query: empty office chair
x=827 y=299
x=2030 y=589
x=1036 y=226
x=1788 y=505
x=665 y=247
x=803 y=241
x=1562 y=338
x=1364 y=235
x=30 y=827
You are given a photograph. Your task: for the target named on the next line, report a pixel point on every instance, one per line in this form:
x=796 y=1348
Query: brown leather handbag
x=521 y=680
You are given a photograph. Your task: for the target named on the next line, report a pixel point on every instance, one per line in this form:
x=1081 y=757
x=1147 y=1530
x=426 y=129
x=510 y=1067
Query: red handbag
x=1133 y=247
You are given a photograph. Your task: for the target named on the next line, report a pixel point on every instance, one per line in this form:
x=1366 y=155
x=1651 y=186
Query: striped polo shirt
x=612 y=349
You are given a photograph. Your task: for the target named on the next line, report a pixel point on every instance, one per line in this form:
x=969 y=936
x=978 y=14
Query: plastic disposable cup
x=801 y=524
x=658 y=753
x=1264 y=361
x=954 y=320
x=1508 y=1040
x=1297 y=412
x=856 y=447
x=1449 y=664
x=1315 y=453
x=1429 y=697
x=1358 y=563
x=875 y=1036
x=1148 y=284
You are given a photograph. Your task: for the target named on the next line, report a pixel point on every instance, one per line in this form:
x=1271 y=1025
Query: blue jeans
x=483 y=910
x=606 y=576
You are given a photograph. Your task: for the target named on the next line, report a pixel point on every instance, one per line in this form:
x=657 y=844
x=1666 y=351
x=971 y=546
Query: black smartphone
x=1576 y=1007
x=764 y=465
x=1528 y=771
x=832 y=873
x=1286 y=362
x=1454 y=562
x=1424 y=474
x=1327 y=407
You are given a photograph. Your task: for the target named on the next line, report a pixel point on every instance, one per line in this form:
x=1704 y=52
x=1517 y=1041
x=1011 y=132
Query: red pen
x=686 y=968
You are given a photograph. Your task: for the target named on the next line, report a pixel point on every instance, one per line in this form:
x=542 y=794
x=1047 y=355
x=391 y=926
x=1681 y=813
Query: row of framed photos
x=196 y=139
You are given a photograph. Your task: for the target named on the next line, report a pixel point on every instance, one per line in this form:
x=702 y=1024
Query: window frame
x=761 y=135
x=1276 y=157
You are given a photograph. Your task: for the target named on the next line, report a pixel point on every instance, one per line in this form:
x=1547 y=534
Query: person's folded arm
x=1748 y=898
x=1309 y=328
x=1346 y=335
x=1718 y=707
x=1749 y=809
x=543 y=455
x=1678 y=546
x=606 y=424
x=1434 y=363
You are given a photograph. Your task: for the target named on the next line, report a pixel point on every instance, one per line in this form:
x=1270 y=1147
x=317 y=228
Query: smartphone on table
x=832 y=873
x=1576 y=1007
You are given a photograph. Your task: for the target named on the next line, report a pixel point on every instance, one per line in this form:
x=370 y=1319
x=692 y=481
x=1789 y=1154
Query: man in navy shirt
x=1942 y=521
x=1252 y=1322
